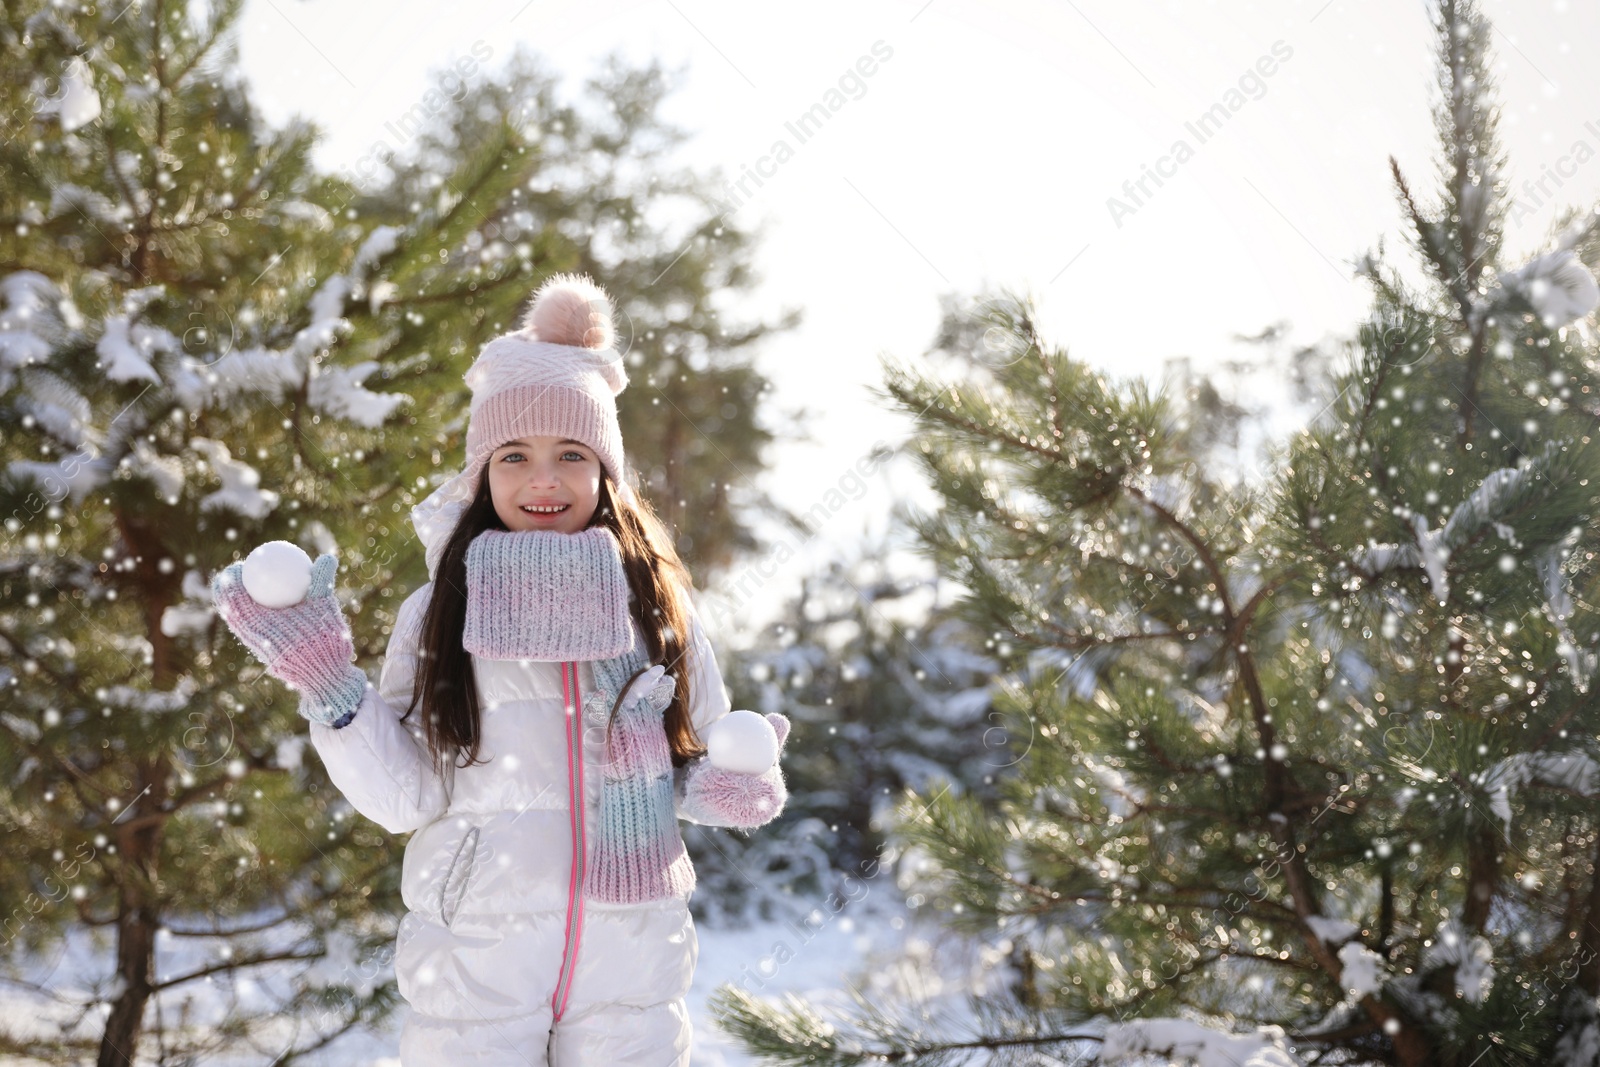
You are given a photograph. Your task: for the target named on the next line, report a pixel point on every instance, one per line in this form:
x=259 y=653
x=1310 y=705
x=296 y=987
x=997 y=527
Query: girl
x=563 y=683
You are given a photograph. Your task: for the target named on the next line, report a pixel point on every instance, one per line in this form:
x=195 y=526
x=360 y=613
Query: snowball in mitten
x=307 y=645
x=742 y=741
x=277 y=574
x=718 y=797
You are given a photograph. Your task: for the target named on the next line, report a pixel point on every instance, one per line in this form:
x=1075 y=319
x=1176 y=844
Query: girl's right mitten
x=307 y=645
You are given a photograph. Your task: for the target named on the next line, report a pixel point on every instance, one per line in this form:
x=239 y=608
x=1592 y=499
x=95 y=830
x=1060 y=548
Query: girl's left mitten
x=307 y=645
x=719 y=797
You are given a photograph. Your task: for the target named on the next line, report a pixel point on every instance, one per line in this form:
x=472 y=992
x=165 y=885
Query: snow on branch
x=1556 y=285
x=1180 y=1039
x=244 y=372
x=1502 y=493
x=333 y=391
x=337 y=391
x=126 y=348
x=29 y=322
x=1574 y=771
x=58 y=408
x=73 y=476
x=194 y=613
x=1471 y=958
x=164 y=472
x=1558 y=609
x=379 y=243
x=67 y=198
x=241 y=483
x=1362 y=970
x=149 y=701
x=1333 y=931
x=33 y=324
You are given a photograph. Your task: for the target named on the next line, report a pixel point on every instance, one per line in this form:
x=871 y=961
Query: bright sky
x=982 y=150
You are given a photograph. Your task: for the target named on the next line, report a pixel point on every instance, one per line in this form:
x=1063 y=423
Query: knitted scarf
x=551 y=596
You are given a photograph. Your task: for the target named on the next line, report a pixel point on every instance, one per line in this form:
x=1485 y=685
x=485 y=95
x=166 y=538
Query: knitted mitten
x=655 y=686
x=307 y=644
x=639 y=853
x=719 y=797
x=651 y=690
x=546 y=595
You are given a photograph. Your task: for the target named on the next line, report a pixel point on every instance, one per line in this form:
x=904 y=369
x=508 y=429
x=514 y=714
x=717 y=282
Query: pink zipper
x=570 y=691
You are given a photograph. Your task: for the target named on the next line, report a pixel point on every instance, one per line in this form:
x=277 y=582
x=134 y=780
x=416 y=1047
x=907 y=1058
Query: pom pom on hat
x=570 y=309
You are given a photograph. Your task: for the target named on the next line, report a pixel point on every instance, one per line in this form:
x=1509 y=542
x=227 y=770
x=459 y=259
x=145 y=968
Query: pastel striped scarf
x=551 y=596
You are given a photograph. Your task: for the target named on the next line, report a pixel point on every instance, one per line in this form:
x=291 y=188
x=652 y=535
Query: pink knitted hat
x=558 y=375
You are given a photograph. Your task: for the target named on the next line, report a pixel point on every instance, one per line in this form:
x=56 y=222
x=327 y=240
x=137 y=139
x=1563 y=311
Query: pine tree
x=174 y=276
x=879 y=706
x=693 y=411
x=1327 y=793
x=205 y=345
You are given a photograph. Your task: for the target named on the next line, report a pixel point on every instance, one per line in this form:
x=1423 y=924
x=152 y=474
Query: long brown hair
x=445 y=686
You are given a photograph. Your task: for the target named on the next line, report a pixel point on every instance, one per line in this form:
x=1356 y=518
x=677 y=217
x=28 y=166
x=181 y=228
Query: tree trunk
x=1026 y=987
x=1386 y=909
x=1412 y=1050
x=1589 y=938
x=136 y=943
x=139 y=843
x=1483 y=870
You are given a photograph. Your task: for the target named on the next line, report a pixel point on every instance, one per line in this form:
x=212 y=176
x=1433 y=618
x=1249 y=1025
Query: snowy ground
x=873 y=941
x=835 y=948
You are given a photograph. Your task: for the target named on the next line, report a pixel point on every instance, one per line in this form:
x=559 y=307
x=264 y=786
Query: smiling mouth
x=527 y=510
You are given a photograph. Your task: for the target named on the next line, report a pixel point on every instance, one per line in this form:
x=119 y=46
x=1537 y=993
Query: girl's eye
x=519 y=456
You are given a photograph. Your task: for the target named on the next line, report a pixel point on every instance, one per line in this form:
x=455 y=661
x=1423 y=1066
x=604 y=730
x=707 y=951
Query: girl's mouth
x=544 y=512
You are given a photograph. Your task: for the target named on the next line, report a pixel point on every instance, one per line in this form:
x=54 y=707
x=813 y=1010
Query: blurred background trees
x=205 y=344
x=1312 y=760
x=1195 y=731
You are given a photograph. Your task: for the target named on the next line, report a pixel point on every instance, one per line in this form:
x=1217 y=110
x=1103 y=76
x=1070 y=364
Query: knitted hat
x=557 y=375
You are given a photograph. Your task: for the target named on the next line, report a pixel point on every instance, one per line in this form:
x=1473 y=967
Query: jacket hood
x=436 y=517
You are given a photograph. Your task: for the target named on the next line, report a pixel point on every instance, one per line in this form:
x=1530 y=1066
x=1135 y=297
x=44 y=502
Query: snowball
x=277 y=574
x=743 y=741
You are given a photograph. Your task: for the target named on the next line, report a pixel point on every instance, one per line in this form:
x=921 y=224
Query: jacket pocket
x=453 y=887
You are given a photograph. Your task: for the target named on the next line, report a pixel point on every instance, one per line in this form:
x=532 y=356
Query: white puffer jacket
x=497 y=931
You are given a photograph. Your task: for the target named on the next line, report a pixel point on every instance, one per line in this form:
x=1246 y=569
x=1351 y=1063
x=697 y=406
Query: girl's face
x=545 y=471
